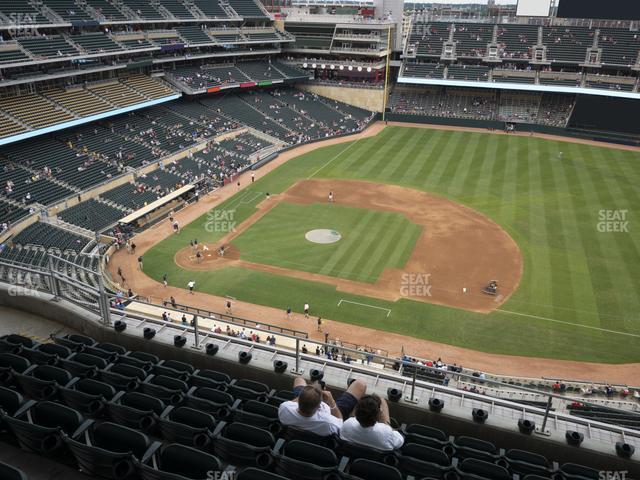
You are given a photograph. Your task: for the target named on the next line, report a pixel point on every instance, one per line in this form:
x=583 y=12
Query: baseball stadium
x=319 y=239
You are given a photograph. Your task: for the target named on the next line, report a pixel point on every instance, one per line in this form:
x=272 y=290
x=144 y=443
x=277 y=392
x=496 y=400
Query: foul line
x=569 y=323
x=365 y=305
x=332 y=159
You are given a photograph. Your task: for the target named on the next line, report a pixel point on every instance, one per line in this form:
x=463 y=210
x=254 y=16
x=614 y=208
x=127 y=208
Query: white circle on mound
x=323 y=235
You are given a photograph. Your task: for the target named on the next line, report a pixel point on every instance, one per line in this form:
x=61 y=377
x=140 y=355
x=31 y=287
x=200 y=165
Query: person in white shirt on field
x=315 y=410
x=370 y=425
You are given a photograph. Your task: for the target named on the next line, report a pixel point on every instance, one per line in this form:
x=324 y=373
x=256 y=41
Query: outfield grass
x=579 y=296
x=278 y=239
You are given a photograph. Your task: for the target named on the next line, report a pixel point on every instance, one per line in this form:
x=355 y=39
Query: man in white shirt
x=315 y=410
x=370 y=426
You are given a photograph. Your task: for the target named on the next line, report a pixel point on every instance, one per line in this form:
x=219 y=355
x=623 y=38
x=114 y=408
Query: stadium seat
x=306 y=461
x=293 y=433
x=252 y=473
x=258 y=414
x=86 y=395
x=11 y=404
x=215 y=402
x=425 y=435
x=112 y=348
x=423 y=461
x=129 y=370
x=7 y=472
x=119 y=381
x=82 y=365
x=109 y=450
x=175 y=461
x=187 y=426
x=39 y=428
x=169 y=390
x=135 y=410
x=524 y=463
x=9 y=364
x=241 y=444
x=468 y=447
x=14 y=339
x=363 y=469
x=54 y=349
x=354 y=450
x=41 y=382
x=209 y=378
x=249 y=390
x=572 y=471
x=474 y=469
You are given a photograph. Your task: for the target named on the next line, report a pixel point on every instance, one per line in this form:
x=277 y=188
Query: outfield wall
x=585 y=134
x=368 y=98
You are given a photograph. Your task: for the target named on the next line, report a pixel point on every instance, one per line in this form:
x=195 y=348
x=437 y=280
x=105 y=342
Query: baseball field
x=425 y=219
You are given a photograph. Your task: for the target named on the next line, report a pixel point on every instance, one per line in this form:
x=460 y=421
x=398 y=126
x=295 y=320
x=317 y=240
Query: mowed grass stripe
x=561 y=279
x=609 y=309
x=450 y=156
x=458 y=162
x=541 y=266
x=584 y=308
x=469 y=180
x=420 y=154
x=349 y=244
x=457 y=178
x=382 y=249
x=410 y=158
x=403 y=247
x=360 y=255
x=397 y=157
x=622 y=250
x=442 y=145
x=359 y=155
x=375 y=165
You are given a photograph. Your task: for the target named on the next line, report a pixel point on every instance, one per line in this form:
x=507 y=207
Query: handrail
x=397 y=377
x=179 y=307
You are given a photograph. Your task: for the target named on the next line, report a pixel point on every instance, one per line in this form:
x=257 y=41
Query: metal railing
x=223 y=317
x=549 y=416
x=377 y=368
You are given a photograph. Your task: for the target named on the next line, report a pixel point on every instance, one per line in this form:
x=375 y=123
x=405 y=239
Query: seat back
x=143 y=402
x=241 y=444
x=7 y=472
x=95 y=387
x=306 y=461
x=573 y=471
x=53 y=415
x=187 y=426
x=179 y=366
x=371 y=470
x=55 y=349
x=474 y=468
x=187 y=461
x=10 y=400
x=129 y=370
x=252 y=473
x=119 y=439
x=14 y=362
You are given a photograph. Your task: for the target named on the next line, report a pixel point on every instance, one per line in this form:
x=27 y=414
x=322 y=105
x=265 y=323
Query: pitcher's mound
x=323 y=235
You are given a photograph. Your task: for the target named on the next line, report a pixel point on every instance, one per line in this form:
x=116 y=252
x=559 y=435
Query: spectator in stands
x=314 y=409
x=371 y=425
